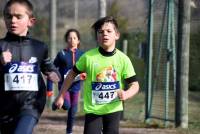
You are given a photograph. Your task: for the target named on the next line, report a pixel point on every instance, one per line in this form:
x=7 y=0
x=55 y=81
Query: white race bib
x=104 y=92
x=21 y=76
x=21 y=82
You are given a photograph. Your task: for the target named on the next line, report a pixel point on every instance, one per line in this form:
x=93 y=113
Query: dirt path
x=54 y=123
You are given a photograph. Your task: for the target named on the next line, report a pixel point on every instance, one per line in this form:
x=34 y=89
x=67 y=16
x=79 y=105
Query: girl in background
x=64 y=61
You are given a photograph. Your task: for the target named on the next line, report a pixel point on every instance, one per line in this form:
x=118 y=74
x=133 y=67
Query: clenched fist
x=6 y=57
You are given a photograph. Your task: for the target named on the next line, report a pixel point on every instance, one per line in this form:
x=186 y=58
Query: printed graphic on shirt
x=107 y=75
x=104 y=90
x=21 y=76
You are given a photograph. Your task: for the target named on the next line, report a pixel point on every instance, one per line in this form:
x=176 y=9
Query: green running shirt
x=105 y=75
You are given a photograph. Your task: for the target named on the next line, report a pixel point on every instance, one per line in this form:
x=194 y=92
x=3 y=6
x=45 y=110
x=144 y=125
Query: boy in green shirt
x=107 y=68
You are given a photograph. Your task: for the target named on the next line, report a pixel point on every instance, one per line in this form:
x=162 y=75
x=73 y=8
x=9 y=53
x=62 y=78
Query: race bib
x=21 y=76
x=104 y=92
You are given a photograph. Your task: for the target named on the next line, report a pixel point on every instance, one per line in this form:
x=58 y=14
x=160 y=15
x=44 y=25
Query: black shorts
x=108 y=123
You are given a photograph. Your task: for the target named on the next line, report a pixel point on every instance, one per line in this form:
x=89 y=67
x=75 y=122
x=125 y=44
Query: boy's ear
x=32 y=21
x=117 y=35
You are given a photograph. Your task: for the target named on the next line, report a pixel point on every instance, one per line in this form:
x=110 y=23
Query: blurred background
x=133 y=17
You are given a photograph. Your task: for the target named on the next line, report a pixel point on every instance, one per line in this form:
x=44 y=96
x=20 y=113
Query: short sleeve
x=81 y=63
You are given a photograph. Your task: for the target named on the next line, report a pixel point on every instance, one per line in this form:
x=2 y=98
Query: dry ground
x=54 y=123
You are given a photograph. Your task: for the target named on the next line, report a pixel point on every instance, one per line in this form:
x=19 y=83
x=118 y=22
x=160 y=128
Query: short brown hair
x=98 y=24
x=27 y=3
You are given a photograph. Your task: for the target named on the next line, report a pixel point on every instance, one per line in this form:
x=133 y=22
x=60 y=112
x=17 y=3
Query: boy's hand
x=122 y=95
x=6 y=57
x=59 y=101
x=53 y=76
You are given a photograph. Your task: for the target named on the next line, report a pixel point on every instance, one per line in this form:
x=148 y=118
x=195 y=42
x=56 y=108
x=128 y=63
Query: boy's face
x=107 y=36
x=17 y=19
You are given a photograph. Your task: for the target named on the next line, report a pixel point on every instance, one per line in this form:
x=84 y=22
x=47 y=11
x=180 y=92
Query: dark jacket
x=16 y=103
x=64 y=62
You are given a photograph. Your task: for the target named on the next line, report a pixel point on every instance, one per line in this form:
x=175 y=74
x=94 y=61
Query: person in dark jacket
x=23 y=62
x=65 y=61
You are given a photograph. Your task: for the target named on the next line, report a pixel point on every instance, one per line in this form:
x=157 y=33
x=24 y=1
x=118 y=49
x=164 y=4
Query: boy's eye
x=19 y=16
x=103 y=31
x=9 y=16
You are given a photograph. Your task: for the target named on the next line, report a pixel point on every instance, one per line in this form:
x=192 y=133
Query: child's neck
x=106 y=53
x=72 y=48
x=108 y=49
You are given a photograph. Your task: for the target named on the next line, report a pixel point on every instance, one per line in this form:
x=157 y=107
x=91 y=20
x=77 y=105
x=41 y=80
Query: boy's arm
x=54 y=76
x=48 y=68
x=50 y=83
x=65 y=86
x=131 y=91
